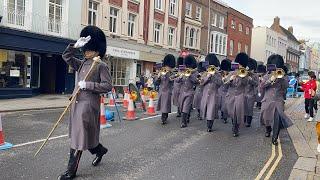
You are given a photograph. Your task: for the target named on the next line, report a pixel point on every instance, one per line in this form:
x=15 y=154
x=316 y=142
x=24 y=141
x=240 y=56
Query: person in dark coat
x=188 y=81
x=84 y=125
x=199 y=91
x=211 y=82
x=272 y=110
x=261 y=71
x=251 y=91
x=176 y=88
x=166 y=85
x=223 y=90
x=236 y=100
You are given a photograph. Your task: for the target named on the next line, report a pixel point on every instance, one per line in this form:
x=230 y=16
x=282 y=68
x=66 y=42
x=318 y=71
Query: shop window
x=16 y=12
x=17 y=69
x=55 y=16
x=92 y=13
x=120 y=71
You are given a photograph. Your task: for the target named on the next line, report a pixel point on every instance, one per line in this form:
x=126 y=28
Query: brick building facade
x=239 y=30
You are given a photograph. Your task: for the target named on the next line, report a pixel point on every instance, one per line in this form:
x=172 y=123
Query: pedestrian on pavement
x=309 y=89
x=211 y=81
x=236 y=100
x=177 y=87
x=223 y=90
x=251 y=91
x=84 y=126
x=188 y=81
x=199 y=91
x=166 y=85
x=261 y=71
x=272 y=110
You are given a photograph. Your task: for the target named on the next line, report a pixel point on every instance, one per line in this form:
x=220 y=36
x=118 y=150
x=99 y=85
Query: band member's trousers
x=276 y=127
x=235 y=125
x=309 y=105
x=259 y=105
x=164 y=116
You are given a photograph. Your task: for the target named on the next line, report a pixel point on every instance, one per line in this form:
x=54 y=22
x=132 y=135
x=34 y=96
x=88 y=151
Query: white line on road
x=146 y=118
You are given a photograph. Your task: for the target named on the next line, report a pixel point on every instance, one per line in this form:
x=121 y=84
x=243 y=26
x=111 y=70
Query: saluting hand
x=82 y=41
x=82 y=84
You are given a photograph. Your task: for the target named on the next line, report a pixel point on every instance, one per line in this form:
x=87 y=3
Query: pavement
x=304 y=137
x=145 y=149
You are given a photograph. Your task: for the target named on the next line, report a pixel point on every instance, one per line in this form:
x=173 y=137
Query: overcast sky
x=303 y=15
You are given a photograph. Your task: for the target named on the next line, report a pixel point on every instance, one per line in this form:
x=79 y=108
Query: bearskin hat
x=98 y=41
x=277 y=60
x=242 y=59
x=179 y=61
x=190 y=62
x=261 y=68
x=226 y=65
x=213 y=60
x=252 y=64
x=169 y=60
x=201 y=67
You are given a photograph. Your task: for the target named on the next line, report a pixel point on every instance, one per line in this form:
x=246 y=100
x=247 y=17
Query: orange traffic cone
x=144 y=101
x=151 y=109
x=131 y=114
x=125 y=99
x=111 y=100
x=103 y=121
x=3 y=145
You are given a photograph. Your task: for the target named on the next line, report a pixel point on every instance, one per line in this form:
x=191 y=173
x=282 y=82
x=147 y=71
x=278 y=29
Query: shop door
x=61 y=72
x=47 y=75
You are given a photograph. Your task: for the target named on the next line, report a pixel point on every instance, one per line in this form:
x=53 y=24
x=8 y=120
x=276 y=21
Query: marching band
x=226 y=90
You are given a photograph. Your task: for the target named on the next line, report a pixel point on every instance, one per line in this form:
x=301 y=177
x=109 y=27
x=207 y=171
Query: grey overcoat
x=187 y=91
x=251 y=93
x=176 y=92
x=84 y=120
x=165 y=93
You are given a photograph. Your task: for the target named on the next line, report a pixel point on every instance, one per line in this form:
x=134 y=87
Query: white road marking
x=40 y=140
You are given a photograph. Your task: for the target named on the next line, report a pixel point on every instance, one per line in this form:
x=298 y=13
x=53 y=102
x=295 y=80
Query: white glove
x=272 y=78
x=82 y=84
x=82 y=41
x=232 y=77
x=259 y=94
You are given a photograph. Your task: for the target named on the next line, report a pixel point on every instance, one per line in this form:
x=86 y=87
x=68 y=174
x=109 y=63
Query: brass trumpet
x=211 y=70
x=188 y=72
x=279 y=73
x=242 y=72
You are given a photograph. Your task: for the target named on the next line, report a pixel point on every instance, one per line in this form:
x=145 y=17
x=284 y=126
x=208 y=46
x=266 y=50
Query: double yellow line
x=269 y=162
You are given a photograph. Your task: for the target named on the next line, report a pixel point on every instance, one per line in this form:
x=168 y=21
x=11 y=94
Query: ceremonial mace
x=96 y=60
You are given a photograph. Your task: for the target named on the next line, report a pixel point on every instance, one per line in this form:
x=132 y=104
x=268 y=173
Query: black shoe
x=268 y=131
x=179 y=115
x=209 y=125
x=99 y=156
x=164 y=122
x=267 y=134
x=274 y=141
x=183 y=125
x=235 y=134
x=66 y=176
x=225 y=121
x=188 y=121
x=209 y=130
x=248 y=125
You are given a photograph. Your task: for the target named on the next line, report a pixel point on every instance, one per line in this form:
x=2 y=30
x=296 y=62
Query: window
x=92 y=13
x=131 y=23
x=198 y=13
x=231 y=47
x=196 y=38
x=246 y=48
x=113 y=20
x=157 y=29
x=239 y=47
x=218 y=43
x=172 y=8
x=158 y=4
x=188 y=9
x=247 y=31
x=171 y=36
x=240 y=27
x=233 y=24
x=215 y=19
x=191 y=37
x=120 y=71
x=186 y=36
x=55 y=16
x=16 y=12
x=224 y=46
x=221 y=22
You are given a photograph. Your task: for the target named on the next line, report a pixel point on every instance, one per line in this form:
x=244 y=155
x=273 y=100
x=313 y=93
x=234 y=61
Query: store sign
x=122 y=53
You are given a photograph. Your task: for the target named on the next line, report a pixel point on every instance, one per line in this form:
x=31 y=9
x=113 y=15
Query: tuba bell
x=211 y=70
x=279 y=73
x=187 y=72
x=242 y=72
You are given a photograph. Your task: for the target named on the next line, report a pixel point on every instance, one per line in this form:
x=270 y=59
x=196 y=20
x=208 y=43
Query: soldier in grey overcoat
x=251 y=91
x=272 y=110
x=199 y=91
x=236 y=100
x=187 y=88
x=166 y=85
x=223 y=90
x=261 y=71
x=84 y=124
x=176 y=88
x=211 y=82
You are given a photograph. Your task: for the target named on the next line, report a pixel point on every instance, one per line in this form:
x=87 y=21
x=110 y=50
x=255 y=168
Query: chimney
x=290 y=29
x=276 y=21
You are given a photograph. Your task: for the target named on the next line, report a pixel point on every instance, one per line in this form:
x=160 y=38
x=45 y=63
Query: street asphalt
x=143 y=149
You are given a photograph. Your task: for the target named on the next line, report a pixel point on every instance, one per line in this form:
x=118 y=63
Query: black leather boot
x=249 y=120
x=199 y=115
x=184 y=120
x=164 y=118
x=235 y=130
x=275 y=141
x=99 y=151
x=209 y=125
x=178 y=113
x=74 y=160
x=268 y=131
x=225 y=121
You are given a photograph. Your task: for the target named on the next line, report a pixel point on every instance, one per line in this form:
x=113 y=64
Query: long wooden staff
x=95 y=62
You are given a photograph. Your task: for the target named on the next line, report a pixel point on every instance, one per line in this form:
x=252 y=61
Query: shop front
x=31 y=64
